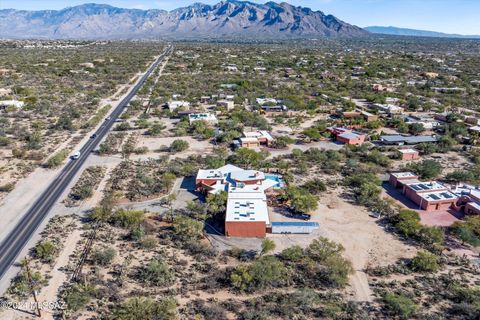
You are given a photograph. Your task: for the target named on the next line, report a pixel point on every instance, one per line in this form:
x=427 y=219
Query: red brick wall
x=411 y=194
x=434 y=206
x=394 y=181
x=410 y=156
x=358 y=140
x=469 y=209
x=245 y=229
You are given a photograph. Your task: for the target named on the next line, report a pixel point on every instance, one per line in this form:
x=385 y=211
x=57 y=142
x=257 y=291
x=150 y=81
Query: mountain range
x=230 y=18
x=416 y=33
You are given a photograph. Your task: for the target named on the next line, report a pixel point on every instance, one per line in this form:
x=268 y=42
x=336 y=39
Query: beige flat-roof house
x=227 y=104
x=255 y=139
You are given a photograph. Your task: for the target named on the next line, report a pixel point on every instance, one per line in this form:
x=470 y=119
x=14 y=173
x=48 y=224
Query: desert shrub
x=335 y=268
x=149 y=242
x=156 y=273
x=187 y=229
x=315 y=186
x=78 y=296
x=103 y=256
x=300 y=200
x=45 y=250
x=425 y=262
x=128 y=219
x=468 y=230
x=293 y=253
x=7 y=187
x=267 y=245
x=57 y=159
x=265 y=272
x=20 y=285
x=399 y=305
x=408 y=224
x=145 y=308
x=427 y=169
x=156 y=129
x=178 y=146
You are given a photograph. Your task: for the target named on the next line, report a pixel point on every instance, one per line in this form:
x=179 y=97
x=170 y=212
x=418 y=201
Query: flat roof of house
x=248 y=139
x=408 y=139
x=247 y=175
x=439 y=195
x=247 y=210
x=209 y=174
x=403 y=175
x=251 y=188
x=426 y=186
x=408 y=151
x=258 y=134
x=349 y=135
x=202 y=116
x=226 y=169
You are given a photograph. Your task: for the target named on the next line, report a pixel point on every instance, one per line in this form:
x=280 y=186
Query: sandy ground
x=56 y=276
x=366 y=243
x=17 y=202
x=195 y=147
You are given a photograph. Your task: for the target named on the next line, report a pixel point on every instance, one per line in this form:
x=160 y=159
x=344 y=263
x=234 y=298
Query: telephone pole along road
x=18 y=238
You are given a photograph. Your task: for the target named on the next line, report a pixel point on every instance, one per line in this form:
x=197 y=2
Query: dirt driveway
x=366 y=243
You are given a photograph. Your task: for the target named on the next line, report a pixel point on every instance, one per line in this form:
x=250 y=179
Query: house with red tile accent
x=347 y=136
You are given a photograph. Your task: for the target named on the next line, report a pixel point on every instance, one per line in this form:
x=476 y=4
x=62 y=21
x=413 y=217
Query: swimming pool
x=280 y=184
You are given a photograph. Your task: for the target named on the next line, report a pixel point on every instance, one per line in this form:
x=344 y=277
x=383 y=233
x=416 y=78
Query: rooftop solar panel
x=435 y=197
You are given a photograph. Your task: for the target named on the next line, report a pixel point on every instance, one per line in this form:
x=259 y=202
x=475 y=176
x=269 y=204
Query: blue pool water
x=280 y=184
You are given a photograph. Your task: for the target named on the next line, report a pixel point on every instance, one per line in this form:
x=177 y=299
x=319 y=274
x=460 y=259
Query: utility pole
x=32 y=287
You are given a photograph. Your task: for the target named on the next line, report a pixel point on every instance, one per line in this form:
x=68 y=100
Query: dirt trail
x=58 y=277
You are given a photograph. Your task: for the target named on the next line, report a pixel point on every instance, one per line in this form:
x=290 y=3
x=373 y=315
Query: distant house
x=347 y=136
x=264 y=101
x=409 y=154
x=429 y=196
x=397 y=179
x=449 y=90
x=427 y=122
x=367 y=116
x=173 y=105
x=397 y=139
x=208 y=117
x=278 y=110
x=9 y=103
x=389 y=108
x=255 y=139
x=474 y=129
x=380 y=88
x=227 y=104
x=231 y=68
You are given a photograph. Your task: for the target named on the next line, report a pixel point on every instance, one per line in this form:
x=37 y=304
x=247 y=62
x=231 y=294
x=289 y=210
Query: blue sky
x=452 y=16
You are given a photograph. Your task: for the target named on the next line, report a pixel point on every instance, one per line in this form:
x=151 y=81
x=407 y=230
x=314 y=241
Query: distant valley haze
x=182 y=19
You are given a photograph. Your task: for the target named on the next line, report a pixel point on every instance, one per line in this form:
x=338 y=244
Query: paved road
x=14 y=243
